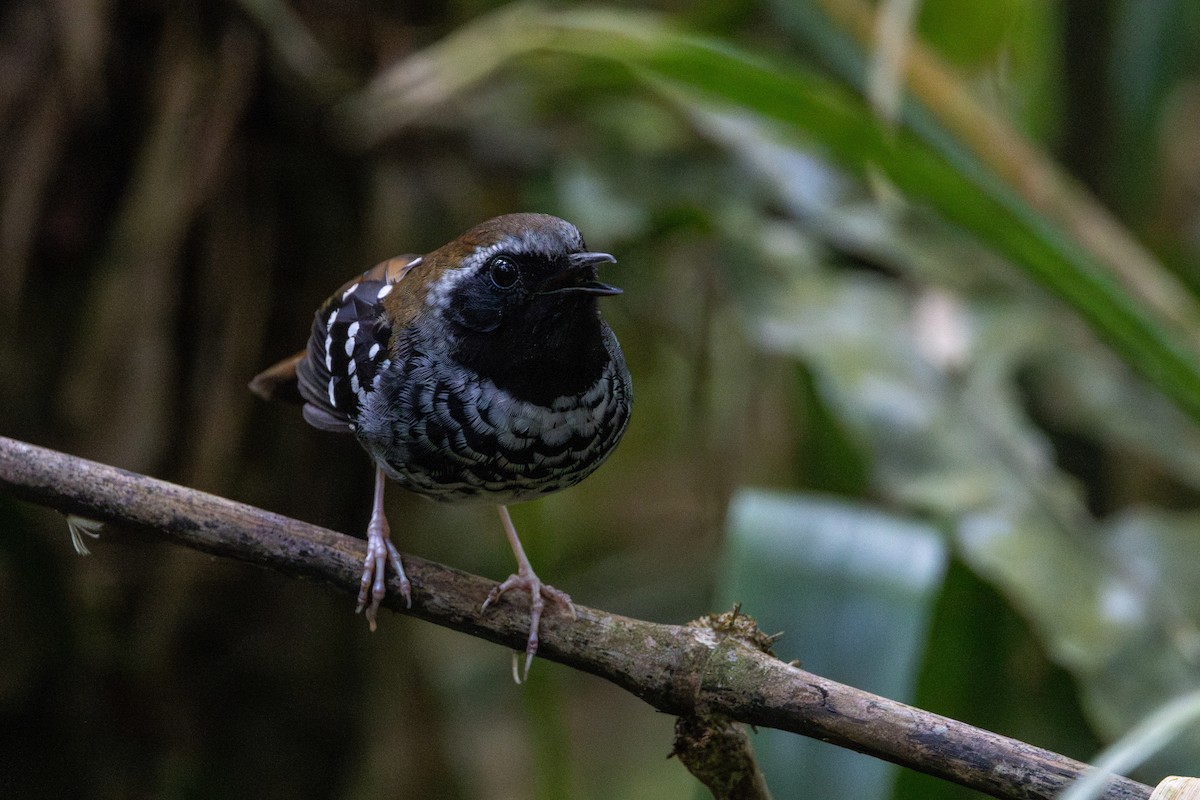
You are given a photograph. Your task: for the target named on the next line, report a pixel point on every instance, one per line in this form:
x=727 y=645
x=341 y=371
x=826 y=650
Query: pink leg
x=380 y=550
x=528 y=581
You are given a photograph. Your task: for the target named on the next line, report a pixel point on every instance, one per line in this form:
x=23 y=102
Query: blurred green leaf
x=956 y=443
x=1139 y=745
x=985 y=666
x=839 y=580
x=970 y=34
x=1153 y=51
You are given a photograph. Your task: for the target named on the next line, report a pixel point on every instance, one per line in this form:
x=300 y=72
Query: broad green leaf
x=851 y=588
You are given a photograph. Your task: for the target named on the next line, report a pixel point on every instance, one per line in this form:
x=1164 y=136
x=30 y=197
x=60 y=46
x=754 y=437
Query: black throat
x=540 y=356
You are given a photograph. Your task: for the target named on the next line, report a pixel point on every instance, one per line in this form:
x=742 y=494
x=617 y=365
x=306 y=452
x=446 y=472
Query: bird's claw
x=373 y=585
x=539 y=593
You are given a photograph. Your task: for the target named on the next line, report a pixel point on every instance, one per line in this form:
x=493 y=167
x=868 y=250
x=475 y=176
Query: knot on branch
x=740 y=626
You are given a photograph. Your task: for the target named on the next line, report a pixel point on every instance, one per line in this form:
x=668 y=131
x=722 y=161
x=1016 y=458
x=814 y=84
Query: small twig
x=685 y=670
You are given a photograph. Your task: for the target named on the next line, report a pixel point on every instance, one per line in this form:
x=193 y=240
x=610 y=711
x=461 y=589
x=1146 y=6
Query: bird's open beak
x=580 y=276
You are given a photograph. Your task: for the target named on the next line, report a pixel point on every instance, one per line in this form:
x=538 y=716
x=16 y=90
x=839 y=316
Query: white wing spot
x=384 y=291
x=374 y=351
x=352 y=367
x=354 y=385
x=329 y=341
x=353 y=331
x=332 y=399
x=349 y=291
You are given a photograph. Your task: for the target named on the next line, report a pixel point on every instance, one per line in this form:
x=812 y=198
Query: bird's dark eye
x=503 y=272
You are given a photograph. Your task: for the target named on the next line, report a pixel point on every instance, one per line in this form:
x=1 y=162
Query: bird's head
x=528 y=273
x=515 y=298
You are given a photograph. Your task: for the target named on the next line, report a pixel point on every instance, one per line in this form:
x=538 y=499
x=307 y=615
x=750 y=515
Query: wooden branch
x=712 y=668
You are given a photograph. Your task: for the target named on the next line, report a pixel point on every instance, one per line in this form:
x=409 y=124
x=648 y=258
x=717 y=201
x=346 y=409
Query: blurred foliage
x=968 y=305
x=839 y=580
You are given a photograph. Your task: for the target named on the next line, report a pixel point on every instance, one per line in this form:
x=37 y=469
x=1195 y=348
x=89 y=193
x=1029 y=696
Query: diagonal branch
x=700 y=669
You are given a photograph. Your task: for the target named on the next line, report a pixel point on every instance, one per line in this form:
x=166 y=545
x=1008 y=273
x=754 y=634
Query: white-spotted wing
x=349 y=347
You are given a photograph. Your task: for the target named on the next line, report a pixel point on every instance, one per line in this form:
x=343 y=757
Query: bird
x=480 y=372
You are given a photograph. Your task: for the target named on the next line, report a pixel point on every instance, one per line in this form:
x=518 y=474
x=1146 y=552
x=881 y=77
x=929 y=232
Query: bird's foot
x=539 y=593
x=373 y=587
